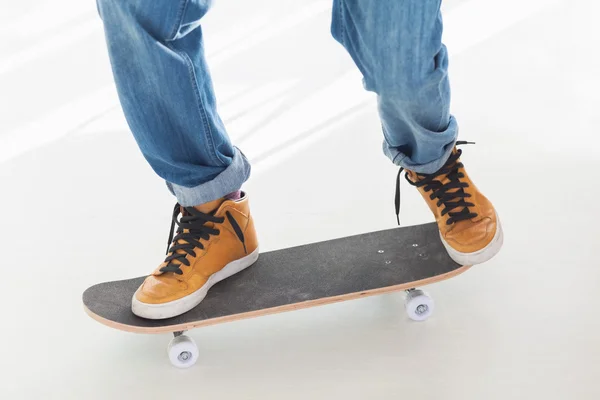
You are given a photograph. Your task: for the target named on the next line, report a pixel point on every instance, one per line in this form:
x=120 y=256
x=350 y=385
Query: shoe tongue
x=209 y=207
x=414 y=177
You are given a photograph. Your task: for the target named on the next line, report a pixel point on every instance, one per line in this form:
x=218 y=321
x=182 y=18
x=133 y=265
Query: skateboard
x=399 y=259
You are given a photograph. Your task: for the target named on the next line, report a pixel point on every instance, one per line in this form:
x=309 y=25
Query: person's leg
x=164 y=85
x=397 y=45
x=165 y=90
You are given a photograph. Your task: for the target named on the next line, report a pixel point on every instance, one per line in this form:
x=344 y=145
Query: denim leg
x=164 y=85
x=397 y=46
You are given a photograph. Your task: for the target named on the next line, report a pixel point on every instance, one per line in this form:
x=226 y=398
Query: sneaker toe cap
x=469 y=236
x=156 y=290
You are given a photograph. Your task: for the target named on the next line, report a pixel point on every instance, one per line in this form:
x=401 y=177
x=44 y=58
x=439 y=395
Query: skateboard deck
x=294 y=278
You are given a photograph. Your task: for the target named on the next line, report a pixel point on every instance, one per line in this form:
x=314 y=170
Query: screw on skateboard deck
x=399 y=259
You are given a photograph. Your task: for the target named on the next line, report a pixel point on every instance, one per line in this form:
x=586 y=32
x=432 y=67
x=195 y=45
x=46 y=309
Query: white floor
x=79 y=205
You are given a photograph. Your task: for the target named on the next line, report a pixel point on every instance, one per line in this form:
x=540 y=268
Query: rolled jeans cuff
x=431 y=143
x=231 y=179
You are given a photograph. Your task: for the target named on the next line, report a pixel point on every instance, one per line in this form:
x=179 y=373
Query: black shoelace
x=184 y=243
x=442 y=192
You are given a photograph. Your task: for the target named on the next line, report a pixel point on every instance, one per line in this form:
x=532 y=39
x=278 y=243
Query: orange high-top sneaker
x=213 y=241
x=469 y=226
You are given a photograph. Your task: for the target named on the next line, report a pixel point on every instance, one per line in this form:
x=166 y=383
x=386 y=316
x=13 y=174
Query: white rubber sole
x=479 y=256
x=180 y=306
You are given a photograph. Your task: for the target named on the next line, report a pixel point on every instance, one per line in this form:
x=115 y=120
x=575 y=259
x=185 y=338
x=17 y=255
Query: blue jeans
x=164 y=85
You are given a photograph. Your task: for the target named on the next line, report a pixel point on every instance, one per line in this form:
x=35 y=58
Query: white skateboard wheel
x=183 y=351
x=419 y=305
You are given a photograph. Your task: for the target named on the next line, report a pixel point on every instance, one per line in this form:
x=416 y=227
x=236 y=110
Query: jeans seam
x=399 y=154
x=178 y=20
x=440 y=99
x=342 y=24
x=201 y=108
x=439 y=86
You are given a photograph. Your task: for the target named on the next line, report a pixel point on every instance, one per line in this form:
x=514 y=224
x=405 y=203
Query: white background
x=79 y=205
